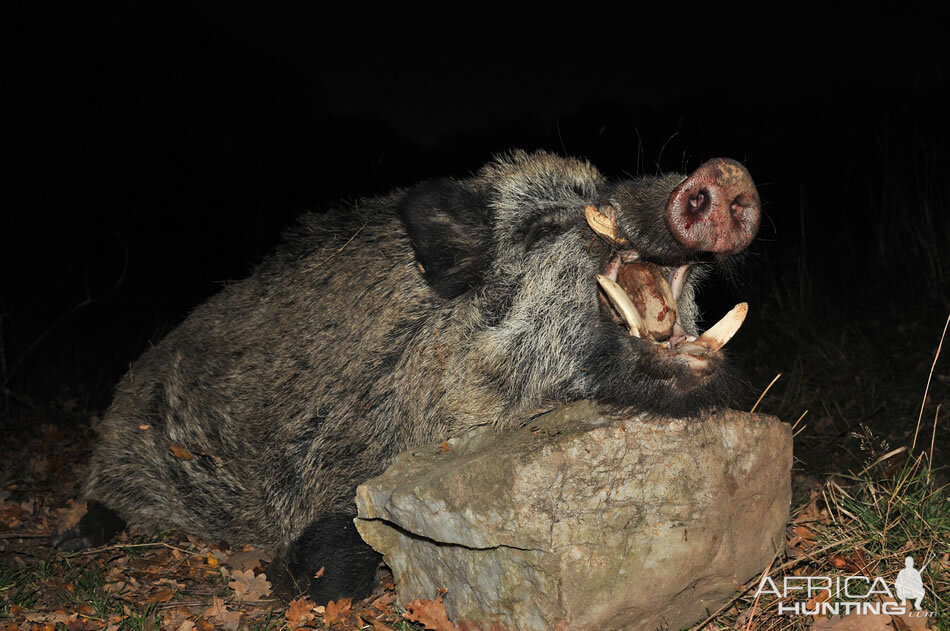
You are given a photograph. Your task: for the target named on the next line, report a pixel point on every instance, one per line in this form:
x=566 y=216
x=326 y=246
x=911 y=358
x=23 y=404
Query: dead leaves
x=337 y=611
x=70 y=516
x=181 y=453
x=221 y=615
x=161 y=596
x=856 y=562
x=248 y=558
x=430 y=614
x=299 y=613
x=802 y=534
x=247 y=586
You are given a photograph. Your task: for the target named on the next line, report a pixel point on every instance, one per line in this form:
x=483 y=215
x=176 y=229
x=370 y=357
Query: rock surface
x=585 y=521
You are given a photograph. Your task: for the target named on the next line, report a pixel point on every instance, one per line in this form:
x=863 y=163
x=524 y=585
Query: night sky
x=156 y=155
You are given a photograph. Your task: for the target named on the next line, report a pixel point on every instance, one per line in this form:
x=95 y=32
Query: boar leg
x=333 y=545
x=96 y=527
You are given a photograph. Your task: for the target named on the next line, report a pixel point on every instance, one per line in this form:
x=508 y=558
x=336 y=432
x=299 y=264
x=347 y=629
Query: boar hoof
x=96 y=527
x=327 y=561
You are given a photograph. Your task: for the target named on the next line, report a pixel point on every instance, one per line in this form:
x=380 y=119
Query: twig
x=929 y=377
x=13 y=535
x=755 y=603
x=799 y=420
x=201 y=603
x=343 y=247
x=889 y=454
x=933 y=437
x=120 y=546
x=764 y=392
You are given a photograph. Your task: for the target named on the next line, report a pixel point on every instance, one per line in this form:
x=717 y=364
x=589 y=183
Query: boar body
x=404 y=321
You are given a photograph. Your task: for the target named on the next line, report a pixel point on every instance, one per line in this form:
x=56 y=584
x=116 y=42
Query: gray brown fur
x=296 y=384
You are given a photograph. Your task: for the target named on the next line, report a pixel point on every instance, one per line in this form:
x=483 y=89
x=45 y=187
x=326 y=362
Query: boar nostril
x=715 y=209
x=699 y=203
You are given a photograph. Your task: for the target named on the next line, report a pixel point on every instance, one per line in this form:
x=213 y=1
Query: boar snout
x=716 y=209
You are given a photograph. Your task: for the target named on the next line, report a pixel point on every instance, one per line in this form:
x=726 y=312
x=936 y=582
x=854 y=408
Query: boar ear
x=450 y=232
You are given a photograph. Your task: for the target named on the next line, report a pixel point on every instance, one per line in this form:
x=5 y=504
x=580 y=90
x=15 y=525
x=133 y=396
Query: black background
x=154 y=153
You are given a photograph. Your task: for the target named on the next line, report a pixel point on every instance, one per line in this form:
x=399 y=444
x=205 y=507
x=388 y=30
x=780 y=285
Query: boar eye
x=543 y=231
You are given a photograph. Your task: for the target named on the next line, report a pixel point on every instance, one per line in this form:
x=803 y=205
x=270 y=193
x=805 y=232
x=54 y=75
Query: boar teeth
x=720 y=333
x=624 y=305
x=603 y=223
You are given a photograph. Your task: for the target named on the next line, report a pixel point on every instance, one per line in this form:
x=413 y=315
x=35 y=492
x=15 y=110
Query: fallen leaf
x=430 y=614
x=384 y=602
x=175 y=585
x=212 y=561
x=840 y=562
x=857 y=557
x=217 y=607
x=181 y=453
x=81 y=624
x=908 y=622
x=805 y=533
x=299 y=613
x=899 y=624
x=814 y=602
x=203 y=624
x=249 y=558
x=57 y=617
x=246 y=586
x=176 y=618
x=115 y=587
x=219 y=611
x=161 y=596
x=337 y=611
x=221 y=554
x=71 y=516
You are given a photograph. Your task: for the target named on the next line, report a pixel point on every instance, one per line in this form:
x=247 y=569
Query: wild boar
x=406 y=320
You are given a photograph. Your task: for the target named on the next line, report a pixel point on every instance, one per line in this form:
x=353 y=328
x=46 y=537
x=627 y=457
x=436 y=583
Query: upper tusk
x=603 y=223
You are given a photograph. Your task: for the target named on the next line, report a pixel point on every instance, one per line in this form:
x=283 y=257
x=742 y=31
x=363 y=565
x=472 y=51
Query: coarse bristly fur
x=404 y=321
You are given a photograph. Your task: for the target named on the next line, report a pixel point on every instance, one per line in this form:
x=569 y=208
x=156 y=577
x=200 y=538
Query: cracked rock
x=582 y=520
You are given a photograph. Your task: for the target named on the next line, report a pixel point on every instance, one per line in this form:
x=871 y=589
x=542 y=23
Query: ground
x=863 y=400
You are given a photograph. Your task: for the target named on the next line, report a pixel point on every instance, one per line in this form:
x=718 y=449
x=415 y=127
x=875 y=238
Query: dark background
x=153 y=154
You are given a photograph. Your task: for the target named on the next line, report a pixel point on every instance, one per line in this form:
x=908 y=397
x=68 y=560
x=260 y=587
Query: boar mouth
x=643 y=297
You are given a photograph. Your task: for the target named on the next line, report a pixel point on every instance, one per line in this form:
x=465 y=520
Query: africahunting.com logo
x=825 y=595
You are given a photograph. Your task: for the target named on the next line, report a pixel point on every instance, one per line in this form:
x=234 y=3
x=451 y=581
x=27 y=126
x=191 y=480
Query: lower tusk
x=624 y=305
x=720 y=333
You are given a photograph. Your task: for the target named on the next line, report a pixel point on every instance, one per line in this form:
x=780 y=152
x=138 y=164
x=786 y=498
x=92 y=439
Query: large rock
x=583 y=521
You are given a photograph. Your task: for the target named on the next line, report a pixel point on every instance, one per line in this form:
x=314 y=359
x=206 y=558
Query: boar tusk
x=603 y=223
x=720 y=333
x=624 y=305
